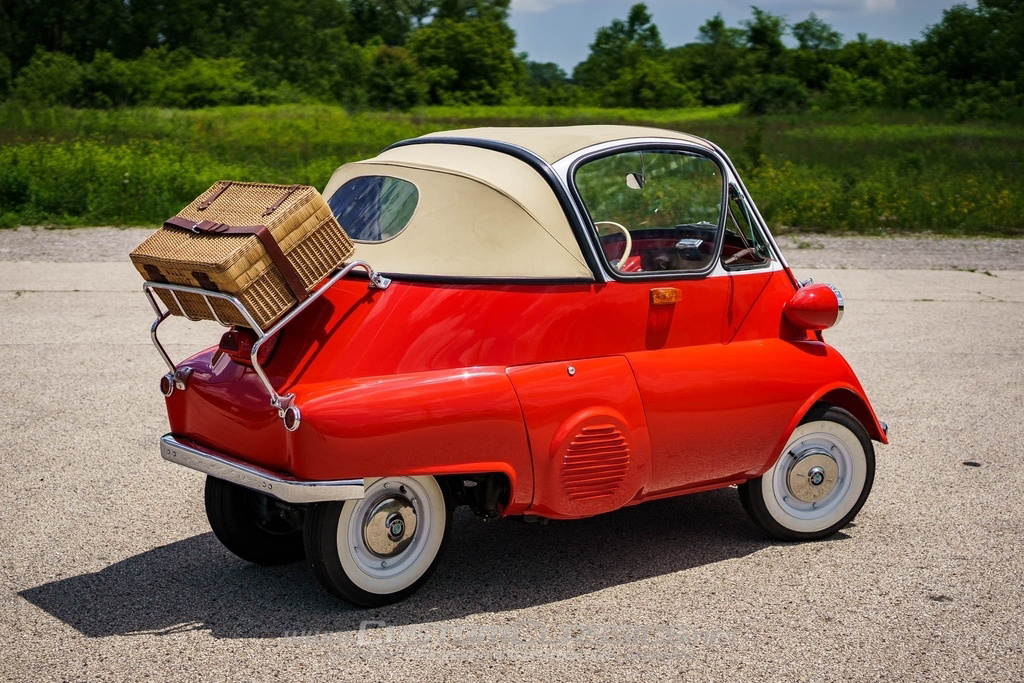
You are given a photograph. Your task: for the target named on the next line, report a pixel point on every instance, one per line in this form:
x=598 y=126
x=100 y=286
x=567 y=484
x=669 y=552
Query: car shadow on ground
x=490 y=566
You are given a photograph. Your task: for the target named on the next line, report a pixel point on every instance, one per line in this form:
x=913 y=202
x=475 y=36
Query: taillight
x=237 y=343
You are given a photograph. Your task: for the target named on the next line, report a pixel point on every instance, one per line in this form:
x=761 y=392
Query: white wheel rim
x=389 y=538
x=818 y=478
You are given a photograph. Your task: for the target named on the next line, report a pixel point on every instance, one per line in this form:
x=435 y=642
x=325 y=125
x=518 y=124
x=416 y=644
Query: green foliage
x=546 y=84
x=93 y=182
x=619 y=47
x=460 y=10
x=394 y=81
x=846 y=91
x=649 y=84
x=764 y=32
x=205 y=83
x=50 y=78
x=716 y=62
x=112 y=53
x=863 y=172
x=384 y=21
x=5 y=76
x=468 y=61
x=627 y=68
x=776 y=95
x=159 y=77
x=815 y=35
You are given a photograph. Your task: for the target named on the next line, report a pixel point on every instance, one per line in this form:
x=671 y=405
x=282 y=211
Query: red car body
x=565 y=397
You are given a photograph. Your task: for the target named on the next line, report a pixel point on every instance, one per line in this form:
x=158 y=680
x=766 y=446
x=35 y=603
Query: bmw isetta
x=543 y=323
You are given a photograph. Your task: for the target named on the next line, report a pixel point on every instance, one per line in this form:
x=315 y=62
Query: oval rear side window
x=374 y=208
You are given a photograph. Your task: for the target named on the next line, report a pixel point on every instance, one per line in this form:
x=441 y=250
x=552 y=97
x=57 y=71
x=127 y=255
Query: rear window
x=374 y=208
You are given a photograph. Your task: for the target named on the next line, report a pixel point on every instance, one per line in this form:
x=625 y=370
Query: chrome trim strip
x=257 y=478
x=840 y=301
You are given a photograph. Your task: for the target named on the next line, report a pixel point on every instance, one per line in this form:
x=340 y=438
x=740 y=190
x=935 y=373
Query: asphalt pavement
x=108 y=569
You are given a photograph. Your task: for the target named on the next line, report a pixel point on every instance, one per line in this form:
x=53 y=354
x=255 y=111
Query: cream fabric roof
x=480 y=214
x=483 y=213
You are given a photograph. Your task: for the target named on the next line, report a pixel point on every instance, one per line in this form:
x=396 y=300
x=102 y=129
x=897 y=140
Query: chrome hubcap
x=389 y=526
x=812 y=475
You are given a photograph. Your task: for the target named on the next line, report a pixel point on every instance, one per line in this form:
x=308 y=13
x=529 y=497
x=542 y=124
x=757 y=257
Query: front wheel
x=381 y=548
x=820 y=481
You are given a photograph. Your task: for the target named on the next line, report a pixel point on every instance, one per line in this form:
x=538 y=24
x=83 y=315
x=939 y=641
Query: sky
x=561 y=31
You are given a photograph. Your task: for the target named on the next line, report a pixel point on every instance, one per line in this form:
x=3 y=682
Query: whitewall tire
x=820 y=481
x=381 y=548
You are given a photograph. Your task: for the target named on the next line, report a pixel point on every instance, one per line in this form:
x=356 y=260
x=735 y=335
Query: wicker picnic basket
x=266 y=245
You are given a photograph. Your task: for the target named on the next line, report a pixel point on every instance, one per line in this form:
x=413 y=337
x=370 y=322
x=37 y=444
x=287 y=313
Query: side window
x=654 y=210
x=374 y=208
x=744 y=245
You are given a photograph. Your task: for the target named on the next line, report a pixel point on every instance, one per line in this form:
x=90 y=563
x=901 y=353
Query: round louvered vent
x=595 y=463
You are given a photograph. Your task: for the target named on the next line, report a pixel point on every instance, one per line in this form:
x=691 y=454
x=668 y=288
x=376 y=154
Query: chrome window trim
x=565 y=168
x=378 y=175
x=735 y=177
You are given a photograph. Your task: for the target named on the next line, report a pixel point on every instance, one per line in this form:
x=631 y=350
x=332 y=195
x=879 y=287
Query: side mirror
x=815 y=307
x=634 y=181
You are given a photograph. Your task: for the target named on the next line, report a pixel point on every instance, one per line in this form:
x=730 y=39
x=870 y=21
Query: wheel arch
x=844 y=396
x=855 y=404
x=494 y=488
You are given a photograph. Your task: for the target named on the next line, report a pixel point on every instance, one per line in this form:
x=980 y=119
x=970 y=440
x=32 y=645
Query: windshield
x=654 y=210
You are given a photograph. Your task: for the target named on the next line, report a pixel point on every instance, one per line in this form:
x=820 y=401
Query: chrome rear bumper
x=253 y=477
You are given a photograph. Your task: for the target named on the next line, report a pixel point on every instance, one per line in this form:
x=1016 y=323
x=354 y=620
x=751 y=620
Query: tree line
x=398 y=54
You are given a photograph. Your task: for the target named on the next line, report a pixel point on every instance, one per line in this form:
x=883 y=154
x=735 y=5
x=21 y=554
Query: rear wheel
x=381 y=548
x=253 y=526
x=820 y=481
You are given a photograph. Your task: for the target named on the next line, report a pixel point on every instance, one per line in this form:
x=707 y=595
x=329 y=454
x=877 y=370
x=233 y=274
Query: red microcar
x=541 y=323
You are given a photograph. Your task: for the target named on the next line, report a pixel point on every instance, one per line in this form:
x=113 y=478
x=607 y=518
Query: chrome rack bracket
x=178 y=379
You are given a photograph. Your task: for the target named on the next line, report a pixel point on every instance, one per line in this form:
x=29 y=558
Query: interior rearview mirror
x=634 y=181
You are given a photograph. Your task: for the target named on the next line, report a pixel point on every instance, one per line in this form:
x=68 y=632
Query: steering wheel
x=625 y=233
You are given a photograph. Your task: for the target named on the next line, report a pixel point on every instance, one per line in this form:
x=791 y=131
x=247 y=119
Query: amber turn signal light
x=665 y=295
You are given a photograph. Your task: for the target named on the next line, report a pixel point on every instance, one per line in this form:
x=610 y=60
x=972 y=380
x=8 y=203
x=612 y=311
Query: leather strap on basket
x=153 y=273
x=284 y=266
x=274 y=207
x=203 y=206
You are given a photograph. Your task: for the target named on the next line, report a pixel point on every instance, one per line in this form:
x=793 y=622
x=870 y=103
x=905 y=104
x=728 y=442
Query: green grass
x=868 y=172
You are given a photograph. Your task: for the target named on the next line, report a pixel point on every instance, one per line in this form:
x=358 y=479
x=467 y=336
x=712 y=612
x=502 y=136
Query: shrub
x=5 y=76
x=109 y=82
x=776 y=95
x=649 y=84
x=206 y=83
x=50 y=78
x=394 y=80
x=846 y=91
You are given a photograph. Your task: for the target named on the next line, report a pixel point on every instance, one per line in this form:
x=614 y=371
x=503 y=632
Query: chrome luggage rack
x=178 y=378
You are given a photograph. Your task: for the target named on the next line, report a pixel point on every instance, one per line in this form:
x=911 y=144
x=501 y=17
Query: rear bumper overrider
x=282 y=487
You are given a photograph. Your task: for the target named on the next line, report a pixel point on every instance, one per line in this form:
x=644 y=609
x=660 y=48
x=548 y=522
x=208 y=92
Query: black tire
x=357 y=570
x=820 y=481
x=253 y=526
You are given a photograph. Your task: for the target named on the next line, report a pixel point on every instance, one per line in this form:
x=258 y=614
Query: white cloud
x=540 y=5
